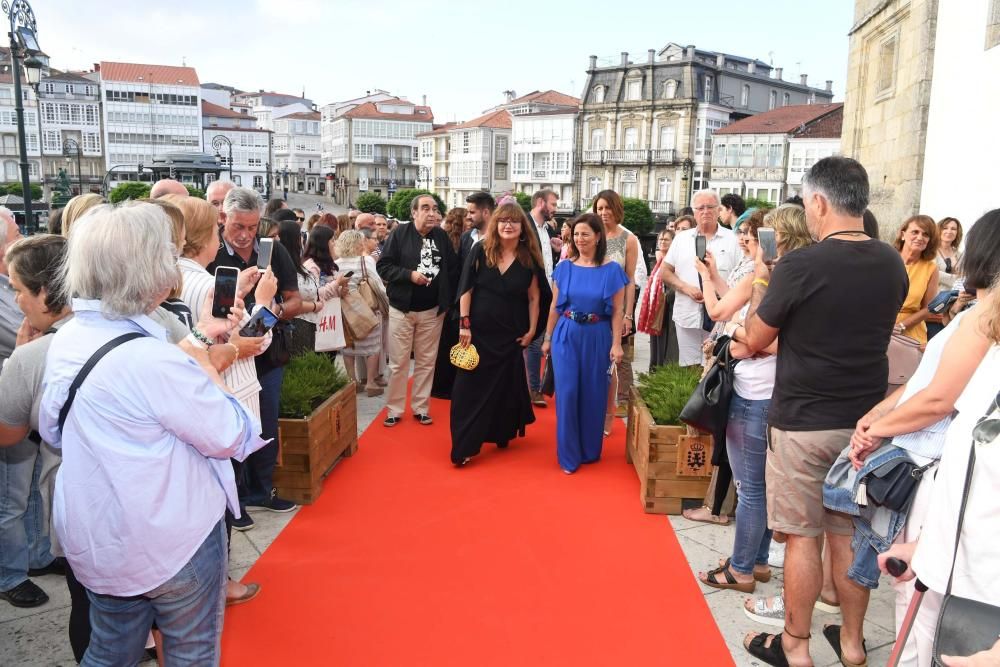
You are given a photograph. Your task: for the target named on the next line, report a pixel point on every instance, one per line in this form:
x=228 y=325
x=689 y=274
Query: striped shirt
x=241 y=377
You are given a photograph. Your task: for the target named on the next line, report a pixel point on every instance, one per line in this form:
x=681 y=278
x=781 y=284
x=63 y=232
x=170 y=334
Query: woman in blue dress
x=583 y=335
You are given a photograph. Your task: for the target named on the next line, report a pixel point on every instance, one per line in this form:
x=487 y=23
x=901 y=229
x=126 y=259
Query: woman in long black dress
x=504 y=301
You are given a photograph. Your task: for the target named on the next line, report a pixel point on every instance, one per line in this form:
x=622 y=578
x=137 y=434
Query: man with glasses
x=300 y=216
x=679 y=272
x=420 y=270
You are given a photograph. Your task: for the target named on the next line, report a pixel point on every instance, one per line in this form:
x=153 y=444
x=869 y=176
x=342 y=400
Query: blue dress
x=581 y=358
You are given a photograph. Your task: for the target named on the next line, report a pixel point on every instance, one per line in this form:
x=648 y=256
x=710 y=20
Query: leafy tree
x=195 y=192
x=754 y=202
x=15 y=189
x=369 y=202
x=524 y=200
x=638 y=216
x=399 y=205
x=128 y=190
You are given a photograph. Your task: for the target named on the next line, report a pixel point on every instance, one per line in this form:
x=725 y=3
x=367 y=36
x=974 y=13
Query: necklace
x=844 y=233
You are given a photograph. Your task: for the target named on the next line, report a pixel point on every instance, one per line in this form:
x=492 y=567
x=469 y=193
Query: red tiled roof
x=420 y=114
x=439 y=129
x=496 y=119
x=163 y=75
x=209 y=109
x=781 y=120
x=302 y=115
x=548 y=97
x=827 y=127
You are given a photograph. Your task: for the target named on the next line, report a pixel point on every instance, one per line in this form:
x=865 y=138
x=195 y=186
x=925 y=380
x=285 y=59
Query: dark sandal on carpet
x=730 y=584
x=832 y=634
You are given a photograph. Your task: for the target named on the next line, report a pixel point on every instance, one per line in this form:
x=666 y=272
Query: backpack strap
x=89 y=366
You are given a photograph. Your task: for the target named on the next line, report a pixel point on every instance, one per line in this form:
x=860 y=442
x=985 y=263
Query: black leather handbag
x=548 y=378
x=894 y=484
x=708 y=408
x=967 y=626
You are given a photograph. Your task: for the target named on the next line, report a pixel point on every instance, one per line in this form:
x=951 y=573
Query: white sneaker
x=776 y=555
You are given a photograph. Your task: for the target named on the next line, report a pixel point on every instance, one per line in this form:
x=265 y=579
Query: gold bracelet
x=761 y=282
x=235 y=347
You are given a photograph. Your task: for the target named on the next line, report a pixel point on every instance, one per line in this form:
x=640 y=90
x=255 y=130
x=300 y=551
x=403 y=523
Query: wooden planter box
x=671 y=464
x=310 y=446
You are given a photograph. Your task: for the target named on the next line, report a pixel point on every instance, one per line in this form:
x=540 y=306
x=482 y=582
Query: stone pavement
x=37 y=637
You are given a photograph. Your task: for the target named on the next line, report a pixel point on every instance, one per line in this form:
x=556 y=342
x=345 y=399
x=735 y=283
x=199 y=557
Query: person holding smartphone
x=680 y=273
x=239 y=248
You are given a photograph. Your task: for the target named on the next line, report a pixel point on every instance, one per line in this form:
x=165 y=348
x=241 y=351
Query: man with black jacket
x=420 y=270
x=479 y=207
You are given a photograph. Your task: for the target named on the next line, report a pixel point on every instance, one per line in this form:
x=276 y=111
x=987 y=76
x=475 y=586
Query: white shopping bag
x=330 y=328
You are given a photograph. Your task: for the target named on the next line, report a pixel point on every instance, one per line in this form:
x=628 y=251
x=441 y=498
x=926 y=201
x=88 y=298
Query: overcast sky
x=460 y=54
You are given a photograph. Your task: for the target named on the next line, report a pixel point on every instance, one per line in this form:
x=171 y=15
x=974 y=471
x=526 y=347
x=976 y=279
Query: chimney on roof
x=720 y=61
x=260 y=90
x=752 y=67
x=593 y=62
x=423 y=100
x=652 y=55
x=777 y=73
x=624 y=58
x=97 y=67
x=804 y=79
x=689 y=52
x=829 y=85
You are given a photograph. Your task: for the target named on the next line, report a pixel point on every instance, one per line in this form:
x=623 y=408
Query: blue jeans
x=187 y=609
x=24 y=541
x=533 y=360
x=258 y=469
x=746 y=445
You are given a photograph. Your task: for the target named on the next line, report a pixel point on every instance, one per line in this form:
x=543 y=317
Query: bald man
x=365 y=221
x=216 y=194
x=167 y=186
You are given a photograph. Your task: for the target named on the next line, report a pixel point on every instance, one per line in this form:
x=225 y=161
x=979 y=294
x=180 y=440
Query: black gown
x=492 y=403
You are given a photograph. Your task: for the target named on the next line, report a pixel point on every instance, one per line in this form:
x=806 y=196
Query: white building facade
x=967 y=45
x=764 y=156
x=149 y=111
x=433 y=171
x=250 y=146
x=71 y=118
x=373 y=146
x=297 y=152
x=479 y=157
x=8 y=126
x=543 y=153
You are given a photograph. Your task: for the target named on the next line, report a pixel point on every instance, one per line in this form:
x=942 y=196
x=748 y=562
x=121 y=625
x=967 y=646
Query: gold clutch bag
x=466 y=358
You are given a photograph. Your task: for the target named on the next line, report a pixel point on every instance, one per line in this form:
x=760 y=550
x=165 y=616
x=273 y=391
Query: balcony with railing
x=627 y=156
x=660 y=206
x=664 y=156
x=400 y=159
x=593 y=156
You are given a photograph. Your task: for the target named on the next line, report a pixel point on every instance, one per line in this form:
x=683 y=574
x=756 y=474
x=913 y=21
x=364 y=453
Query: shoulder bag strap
x=965 y=501
x=89 y=366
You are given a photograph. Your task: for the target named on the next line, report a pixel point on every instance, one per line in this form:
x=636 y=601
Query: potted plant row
x=318 y=423
x=673 y=461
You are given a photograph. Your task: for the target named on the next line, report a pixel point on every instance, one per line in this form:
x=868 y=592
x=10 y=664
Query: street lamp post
x=220 y=140
x=73 y=143
x=23 y=43
x=688 y=164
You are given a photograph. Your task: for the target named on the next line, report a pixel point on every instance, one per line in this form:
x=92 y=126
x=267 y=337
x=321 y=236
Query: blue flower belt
x=583 y=318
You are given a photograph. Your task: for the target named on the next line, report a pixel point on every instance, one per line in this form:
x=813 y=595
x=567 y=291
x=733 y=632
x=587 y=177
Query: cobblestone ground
x=37 y=637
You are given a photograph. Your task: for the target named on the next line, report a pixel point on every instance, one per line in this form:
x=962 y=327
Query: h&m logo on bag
x=328 y=323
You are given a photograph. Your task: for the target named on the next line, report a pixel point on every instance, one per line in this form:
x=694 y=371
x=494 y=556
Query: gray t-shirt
x=21 y=388
x=10 y=318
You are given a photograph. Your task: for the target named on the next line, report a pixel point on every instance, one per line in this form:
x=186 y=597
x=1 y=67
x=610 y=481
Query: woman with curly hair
x=454 y=224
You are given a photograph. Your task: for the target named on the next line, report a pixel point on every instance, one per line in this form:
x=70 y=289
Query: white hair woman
x=140 y=497
x=352 y=255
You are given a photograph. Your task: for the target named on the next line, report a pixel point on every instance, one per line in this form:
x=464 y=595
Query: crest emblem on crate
x=694 y=457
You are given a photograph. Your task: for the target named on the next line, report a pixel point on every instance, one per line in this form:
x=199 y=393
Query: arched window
x=599 y=94
x=786 y=99
x=669 y=89
x=772 y=100
x=745 y=97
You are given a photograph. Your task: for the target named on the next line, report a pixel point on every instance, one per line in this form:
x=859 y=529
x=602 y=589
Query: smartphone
x=225 y=290
x=700 y=246
x=348 y=274
x=264 y=254
x=261 y=322
x=768 y=243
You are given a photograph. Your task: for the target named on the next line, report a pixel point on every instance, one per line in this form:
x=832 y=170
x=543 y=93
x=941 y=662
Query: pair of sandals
x=774 y=653
x=730 y=583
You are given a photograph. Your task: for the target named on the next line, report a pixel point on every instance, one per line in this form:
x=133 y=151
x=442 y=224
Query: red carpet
x=405 y=560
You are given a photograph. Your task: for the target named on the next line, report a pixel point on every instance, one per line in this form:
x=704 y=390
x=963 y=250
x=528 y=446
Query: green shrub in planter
x=666 y=391
x=310 y=379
